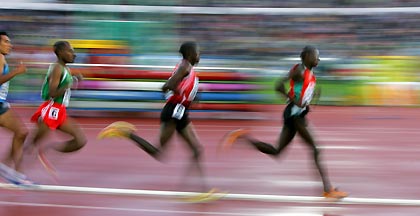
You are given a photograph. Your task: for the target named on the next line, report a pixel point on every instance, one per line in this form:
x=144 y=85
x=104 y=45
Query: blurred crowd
x=260 y=37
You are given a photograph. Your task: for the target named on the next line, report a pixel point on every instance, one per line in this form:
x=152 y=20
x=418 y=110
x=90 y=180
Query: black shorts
x=166 y=116
x=4 y=106
x=289 y=119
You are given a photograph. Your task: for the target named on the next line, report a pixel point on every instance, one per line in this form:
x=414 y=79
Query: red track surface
x=369 y=152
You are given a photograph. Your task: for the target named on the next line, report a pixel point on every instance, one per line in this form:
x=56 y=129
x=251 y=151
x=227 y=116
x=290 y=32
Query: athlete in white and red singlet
x=180 y=90
x=187 y=88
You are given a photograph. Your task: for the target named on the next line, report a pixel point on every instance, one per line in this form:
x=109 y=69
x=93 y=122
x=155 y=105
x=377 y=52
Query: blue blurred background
x=127 y=49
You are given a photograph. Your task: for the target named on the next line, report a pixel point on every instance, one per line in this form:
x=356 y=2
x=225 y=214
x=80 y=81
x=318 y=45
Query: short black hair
x=306 y=50
x=60 y=45
x=3 y=33
x=186 y=47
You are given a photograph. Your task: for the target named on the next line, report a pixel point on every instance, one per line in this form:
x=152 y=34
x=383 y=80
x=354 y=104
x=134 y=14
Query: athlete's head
x=5 y=43
x=64 y=51
x=190 y=51
x=310 y=56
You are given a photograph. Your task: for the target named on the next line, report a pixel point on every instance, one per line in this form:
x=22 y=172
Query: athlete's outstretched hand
x=20 y=69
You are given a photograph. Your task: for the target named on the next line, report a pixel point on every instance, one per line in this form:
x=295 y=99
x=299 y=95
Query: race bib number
x=53 y=113
x=178 y=111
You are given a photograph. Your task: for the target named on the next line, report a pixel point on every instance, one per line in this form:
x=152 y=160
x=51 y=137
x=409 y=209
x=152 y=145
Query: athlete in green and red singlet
x=52 y=114
x=302 y=87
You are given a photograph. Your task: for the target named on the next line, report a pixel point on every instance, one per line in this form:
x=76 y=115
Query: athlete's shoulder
x=56 y=67
x=298 y=68
x=2 y=59
x=184 y=67
x=296 y=72
x=186 y=64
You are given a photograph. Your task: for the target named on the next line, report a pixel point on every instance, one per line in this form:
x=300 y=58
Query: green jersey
x=66 y=80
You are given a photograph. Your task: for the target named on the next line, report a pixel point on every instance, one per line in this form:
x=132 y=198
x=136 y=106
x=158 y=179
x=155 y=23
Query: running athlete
x=51 y=114
x=8 y=118
x=302 y=87
x=180 y=90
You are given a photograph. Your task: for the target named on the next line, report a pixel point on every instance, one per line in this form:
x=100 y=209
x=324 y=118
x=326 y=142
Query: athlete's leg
x=167 y=129
x=190 y=137
x=12 y=122
x=303 y=131
x=329 y=191
x=286 y=136
x=39 y=133
x=71 y=127
x=143 y=144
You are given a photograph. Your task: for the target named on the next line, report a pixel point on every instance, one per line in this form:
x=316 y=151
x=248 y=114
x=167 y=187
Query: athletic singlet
x=302 y=91
x=66 y=80
x=187 y=89
x=4 y=88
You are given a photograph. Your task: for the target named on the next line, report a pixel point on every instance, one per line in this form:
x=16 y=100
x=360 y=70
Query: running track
x=370 y=152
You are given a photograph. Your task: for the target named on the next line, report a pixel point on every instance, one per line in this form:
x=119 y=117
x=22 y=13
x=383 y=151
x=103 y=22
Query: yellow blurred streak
x=382 y=95
x=392 y=57
x=95 y=44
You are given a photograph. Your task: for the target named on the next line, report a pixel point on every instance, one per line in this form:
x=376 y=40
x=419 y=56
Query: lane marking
x=231 y=196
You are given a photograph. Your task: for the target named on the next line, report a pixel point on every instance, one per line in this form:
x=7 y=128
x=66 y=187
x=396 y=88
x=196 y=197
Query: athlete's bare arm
x=317 y=95
x=6 y=77
x=54 y=81
x=172 y=83
x=76 y=73
x=294 y=74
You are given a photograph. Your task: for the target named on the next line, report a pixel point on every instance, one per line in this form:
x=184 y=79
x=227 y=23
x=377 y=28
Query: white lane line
x=230 y=196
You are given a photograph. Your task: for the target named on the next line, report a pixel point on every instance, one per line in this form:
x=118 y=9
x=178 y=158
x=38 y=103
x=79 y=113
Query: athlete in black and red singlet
x=180 y=89
x=302 y=88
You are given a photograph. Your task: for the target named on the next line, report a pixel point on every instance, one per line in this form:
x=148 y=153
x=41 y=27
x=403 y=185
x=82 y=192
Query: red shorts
x=51 y=113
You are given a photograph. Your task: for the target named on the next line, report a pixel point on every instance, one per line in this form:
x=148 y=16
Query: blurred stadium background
x=126 y=49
